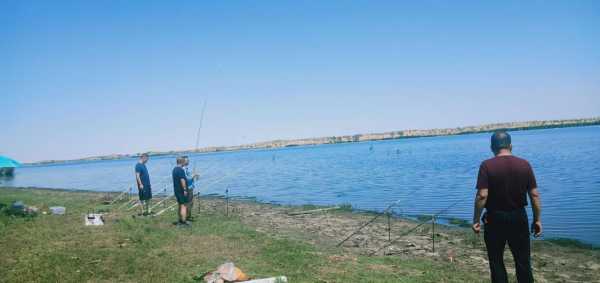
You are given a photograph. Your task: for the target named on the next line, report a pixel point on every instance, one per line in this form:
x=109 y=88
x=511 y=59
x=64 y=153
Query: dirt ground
x=327 y=229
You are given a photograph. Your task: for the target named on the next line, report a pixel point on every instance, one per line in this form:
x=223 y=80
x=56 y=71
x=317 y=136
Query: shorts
x=190 y=195
x=145 y=193
x=181 y=198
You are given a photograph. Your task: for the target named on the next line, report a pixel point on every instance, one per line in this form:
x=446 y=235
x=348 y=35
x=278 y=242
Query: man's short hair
x=180 y=160
x=144 y=155
x=500 y=139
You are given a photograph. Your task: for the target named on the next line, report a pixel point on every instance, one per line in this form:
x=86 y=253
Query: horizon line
x=360 y=137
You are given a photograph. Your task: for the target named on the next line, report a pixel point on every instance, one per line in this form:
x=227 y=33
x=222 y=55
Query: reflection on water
x=425 y=175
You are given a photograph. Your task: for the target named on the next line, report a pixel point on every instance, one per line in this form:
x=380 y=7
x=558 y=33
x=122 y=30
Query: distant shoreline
x=392 y=135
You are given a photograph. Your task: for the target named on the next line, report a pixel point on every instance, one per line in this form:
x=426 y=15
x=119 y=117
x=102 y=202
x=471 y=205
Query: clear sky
x=85 y=78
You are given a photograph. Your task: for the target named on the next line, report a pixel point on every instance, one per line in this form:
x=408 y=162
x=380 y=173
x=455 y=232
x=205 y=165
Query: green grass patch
x=423 y=217
x=345 y=207
x=571 y=243
x=53 y=248
x=459 y=222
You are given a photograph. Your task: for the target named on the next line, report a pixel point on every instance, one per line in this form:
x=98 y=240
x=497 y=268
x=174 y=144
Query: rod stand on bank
x=389 y=221
x=433 y=233
x=418 y=226
x=227 y=202
x=198 y=201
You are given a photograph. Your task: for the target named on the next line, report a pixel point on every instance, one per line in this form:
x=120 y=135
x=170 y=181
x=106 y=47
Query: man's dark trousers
x=510 y=227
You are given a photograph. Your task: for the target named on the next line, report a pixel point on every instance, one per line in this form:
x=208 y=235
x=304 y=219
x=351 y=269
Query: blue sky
x=83 y=78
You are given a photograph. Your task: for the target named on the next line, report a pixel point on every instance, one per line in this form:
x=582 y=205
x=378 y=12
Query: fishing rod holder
x=227 y=202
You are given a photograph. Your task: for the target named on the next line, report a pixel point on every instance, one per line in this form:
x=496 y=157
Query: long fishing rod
x=375 y=218
x=162 y=211
x=419 y=225
x=211 y=167
x=378 y=215
x=231 y=174
x=160 y=202
x=198 y=133
x=119 y=197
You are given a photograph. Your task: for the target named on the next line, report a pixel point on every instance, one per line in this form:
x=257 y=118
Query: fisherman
x=143 y=183
x=191 y=178
x=180 y=188
x=502 y=186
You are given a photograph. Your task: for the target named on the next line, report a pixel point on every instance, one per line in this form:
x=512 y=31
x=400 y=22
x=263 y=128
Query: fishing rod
x=119 y=196
x=134 y=206
x=384 y=212
x=208 y=170
x=420 y=224
x=198 y=134
x=160 y=202
x=162 y=211
x=375 y=218
x=127 y=204
x=231 y=174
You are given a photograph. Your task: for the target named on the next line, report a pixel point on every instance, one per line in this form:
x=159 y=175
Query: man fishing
x=143 y=183
x=191 y=178
x=180 y=188
x=502 y=185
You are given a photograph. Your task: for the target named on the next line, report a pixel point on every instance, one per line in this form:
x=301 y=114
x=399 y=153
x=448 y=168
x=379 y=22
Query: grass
x=571 y=243
x=459 y=222
x=345 y=207
x=51 y=248
x=423 y=217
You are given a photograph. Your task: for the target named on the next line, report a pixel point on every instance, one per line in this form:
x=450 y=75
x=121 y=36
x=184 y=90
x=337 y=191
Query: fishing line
x=211 y=179
x=211 y=168
x=231 y=174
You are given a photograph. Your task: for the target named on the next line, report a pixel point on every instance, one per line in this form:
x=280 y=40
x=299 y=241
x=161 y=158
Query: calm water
x=426 y=175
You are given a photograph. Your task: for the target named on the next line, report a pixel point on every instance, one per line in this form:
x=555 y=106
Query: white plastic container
x=57 y=210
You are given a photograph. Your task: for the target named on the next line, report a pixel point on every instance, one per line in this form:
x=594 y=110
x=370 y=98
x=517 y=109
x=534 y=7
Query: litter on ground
x=57 y=210
x=228 y=272
x=94 y=219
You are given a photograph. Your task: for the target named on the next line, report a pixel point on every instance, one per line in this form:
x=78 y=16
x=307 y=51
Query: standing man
x=180 y=188
x=143 y=183
x=191 y=178
x=502 y=188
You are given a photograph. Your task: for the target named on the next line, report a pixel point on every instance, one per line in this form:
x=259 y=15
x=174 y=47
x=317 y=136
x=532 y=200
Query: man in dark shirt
x=143 y=183
x=180 y=188
x=502 y=186
x=191 y=178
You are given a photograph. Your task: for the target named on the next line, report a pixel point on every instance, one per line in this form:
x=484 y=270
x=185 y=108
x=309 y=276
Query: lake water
x=425 y=175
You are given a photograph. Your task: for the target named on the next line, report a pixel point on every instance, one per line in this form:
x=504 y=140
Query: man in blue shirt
x=143 y=183
x=180 y=189
x=191 y=178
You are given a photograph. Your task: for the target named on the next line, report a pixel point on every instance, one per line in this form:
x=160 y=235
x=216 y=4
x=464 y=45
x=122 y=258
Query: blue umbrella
x=6 y=162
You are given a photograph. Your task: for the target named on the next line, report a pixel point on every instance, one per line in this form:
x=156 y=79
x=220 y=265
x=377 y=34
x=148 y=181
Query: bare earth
x=552 y=263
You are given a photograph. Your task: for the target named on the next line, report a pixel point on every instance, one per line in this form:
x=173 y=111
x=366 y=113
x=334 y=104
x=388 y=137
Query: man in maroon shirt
x=502 y=186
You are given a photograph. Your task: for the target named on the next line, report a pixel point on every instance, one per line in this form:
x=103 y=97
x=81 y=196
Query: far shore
x=512 y=126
